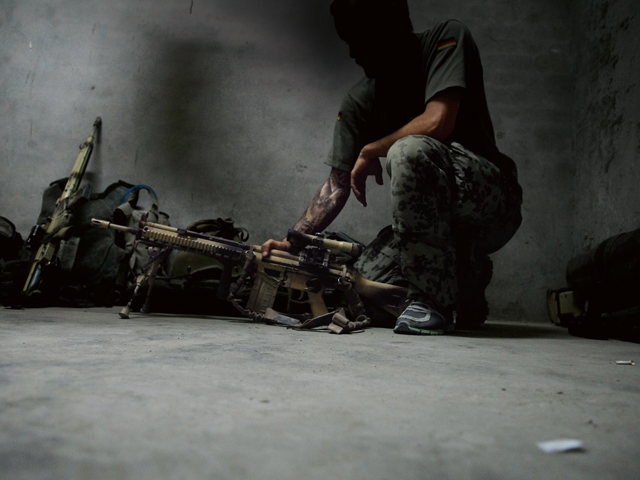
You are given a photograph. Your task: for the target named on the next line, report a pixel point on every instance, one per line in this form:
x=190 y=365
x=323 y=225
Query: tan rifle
x=315 y=271
x=57 y=228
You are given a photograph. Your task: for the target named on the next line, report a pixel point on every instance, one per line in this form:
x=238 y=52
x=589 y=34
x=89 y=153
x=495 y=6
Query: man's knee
x=416 y=151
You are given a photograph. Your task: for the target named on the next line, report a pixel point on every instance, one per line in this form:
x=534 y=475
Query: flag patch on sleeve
x=339 y=115
x=449 y=42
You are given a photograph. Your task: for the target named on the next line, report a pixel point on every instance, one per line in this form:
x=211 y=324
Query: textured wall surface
x=226 y=108
x=607 y=121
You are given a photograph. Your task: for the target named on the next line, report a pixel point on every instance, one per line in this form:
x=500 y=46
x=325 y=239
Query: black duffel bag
x=606 y=281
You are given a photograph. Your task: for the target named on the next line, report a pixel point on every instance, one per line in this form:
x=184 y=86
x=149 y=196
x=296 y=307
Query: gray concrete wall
x=226 y=108
x=607 y=121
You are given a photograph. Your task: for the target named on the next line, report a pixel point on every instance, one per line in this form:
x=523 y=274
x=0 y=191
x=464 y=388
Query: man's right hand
x=272 y=244
x=363 y=168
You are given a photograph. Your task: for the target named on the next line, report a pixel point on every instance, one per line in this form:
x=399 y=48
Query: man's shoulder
x=450 y=25
x=443 y=30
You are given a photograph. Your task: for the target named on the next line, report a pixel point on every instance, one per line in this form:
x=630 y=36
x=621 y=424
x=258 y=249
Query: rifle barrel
x=81 y=162
x=113 y=226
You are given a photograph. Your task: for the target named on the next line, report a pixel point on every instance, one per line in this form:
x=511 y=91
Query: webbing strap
x=337 y=322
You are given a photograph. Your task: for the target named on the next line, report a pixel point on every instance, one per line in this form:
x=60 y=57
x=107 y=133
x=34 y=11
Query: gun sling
x=337 y=322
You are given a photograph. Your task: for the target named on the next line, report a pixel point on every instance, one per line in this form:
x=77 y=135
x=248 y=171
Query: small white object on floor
x=561 y=445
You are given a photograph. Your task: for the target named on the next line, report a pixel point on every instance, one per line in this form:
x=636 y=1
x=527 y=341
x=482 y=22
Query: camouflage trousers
x=447 y=202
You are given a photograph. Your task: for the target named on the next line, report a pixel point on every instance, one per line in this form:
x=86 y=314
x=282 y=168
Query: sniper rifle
x=316 y=271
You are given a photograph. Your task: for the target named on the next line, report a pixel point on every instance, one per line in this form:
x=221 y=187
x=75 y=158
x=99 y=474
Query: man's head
x=373 y=29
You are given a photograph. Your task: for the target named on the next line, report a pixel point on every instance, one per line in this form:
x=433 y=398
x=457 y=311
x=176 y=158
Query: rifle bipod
x=149 y=271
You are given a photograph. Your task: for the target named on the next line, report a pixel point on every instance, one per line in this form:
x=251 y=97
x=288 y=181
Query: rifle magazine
x=263 y=293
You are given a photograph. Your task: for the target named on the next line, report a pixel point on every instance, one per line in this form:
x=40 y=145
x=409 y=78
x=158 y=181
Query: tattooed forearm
x=326 y=204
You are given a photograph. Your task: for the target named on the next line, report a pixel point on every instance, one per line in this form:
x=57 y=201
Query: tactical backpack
x=129 y=213
x=10 y=240
x=602 y=300
x=14 y=263
x=90 y=261
x=87 y=263
x=93 y=267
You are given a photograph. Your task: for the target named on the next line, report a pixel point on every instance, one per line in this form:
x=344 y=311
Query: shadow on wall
x=209 y=110
x=179 y=113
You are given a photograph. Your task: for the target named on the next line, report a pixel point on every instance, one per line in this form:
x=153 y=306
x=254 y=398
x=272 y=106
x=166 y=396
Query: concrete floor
x=84 y=394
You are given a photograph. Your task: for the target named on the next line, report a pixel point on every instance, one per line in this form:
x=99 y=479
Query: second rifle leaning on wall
x=315 y=271
x=56 y=229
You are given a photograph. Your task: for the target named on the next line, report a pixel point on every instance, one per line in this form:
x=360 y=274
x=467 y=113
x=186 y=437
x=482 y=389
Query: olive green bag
x=192 y=267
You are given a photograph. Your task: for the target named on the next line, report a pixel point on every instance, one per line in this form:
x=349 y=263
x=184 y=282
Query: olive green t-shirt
x=446 y=57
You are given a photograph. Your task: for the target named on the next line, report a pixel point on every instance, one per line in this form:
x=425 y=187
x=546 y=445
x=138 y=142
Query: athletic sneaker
x=420 y=319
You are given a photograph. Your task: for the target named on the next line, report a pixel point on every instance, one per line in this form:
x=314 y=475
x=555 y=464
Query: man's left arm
x=437 y=121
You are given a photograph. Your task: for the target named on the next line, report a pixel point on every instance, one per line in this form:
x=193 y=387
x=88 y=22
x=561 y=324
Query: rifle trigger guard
x=344 y=283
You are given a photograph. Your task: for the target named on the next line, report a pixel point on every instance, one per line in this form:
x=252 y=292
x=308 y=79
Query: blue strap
x=139 y=187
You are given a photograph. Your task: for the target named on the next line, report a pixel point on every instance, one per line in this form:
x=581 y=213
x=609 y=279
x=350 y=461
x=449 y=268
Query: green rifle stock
x=314 y=271
x=59 y=224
